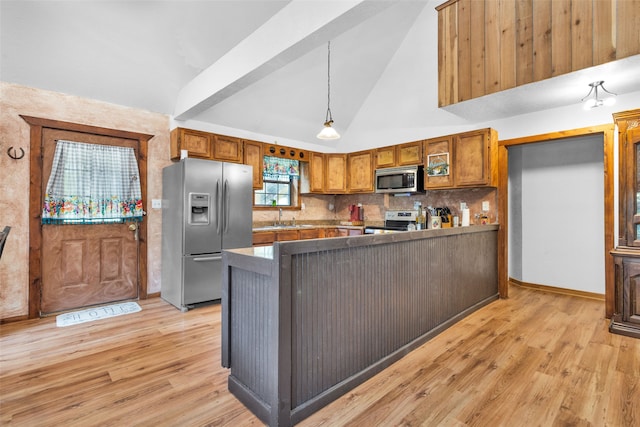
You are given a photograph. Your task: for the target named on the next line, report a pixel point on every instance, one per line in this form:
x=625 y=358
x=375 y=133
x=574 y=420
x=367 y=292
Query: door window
x=92 y=184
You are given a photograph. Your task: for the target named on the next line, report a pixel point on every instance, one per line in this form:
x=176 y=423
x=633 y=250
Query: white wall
x=556 y=213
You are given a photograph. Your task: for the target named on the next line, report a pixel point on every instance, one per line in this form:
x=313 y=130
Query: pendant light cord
x=328 y=118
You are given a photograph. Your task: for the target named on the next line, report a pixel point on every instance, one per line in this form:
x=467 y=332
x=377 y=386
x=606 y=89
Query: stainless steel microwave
x=407 y=179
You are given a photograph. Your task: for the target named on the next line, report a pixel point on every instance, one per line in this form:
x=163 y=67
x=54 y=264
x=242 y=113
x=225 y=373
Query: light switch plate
x=485 y=205
x=156 y=203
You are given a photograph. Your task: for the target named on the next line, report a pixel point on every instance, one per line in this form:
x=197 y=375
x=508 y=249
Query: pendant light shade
x=328 y=132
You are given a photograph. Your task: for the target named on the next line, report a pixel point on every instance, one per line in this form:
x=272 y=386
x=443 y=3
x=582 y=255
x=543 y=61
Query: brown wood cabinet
x=205 y=145
x=438 y=149
x=475 y=156
x=626 y=317
x=316 y=173
x=313 y=233
x=198 y=144
x=285 y=235
x=227 y=148
x=263 y=238
x=331 y=232
x=473 y=159
x=335 y=173
x=253 y=156
x=409 y=153
x=386 y=157
x=406 y=154
x=360 y=167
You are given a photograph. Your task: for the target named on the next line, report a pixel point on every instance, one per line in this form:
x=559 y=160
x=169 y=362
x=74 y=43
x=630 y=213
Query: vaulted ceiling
x=261 y=66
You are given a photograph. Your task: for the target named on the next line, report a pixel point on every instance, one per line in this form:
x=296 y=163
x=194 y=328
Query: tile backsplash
x=335 y=208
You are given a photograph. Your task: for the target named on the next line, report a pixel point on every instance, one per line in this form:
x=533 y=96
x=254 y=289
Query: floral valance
x=275 y=167
x=92 y=184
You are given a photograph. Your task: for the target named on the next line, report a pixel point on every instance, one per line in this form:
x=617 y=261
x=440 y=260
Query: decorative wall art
x=438 y=164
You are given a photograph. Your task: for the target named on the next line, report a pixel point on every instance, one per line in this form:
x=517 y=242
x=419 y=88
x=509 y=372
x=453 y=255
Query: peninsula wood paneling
x=485 y=46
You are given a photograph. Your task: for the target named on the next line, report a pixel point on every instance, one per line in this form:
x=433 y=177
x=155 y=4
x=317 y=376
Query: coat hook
x=14 y=155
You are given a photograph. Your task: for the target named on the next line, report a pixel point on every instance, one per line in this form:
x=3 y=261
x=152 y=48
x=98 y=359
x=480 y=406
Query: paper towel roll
x=465 y=217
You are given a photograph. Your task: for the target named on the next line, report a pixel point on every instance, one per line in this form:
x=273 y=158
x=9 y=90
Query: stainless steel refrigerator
x=206 y=207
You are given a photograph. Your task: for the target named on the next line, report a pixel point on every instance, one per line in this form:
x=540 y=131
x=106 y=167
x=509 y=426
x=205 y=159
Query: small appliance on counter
x=356 y=214
x=394 y=221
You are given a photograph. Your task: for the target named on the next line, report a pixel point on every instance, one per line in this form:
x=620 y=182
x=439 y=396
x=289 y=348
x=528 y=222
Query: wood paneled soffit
x=486 y=46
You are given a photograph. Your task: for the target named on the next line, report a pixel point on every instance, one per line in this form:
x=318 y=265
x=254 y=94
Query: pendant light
x=327 y=131
x=596 y=101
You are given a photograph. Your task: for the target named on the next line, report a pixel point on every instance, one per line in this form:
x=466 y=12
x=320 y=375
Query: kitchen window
x=280 y=183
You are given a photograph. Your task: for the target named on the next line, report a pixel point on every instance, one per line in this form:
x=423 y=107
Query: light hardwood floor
x=536 y=359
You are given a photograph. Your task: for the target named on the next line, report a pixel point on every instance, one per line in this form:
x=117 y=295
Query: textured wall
x=14 y=174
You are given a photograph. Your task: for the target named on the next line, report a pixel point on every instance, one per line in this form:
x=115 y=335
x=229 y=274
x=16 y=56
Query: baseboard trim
x=153 y=295
x=13 y=319
x=555 y=290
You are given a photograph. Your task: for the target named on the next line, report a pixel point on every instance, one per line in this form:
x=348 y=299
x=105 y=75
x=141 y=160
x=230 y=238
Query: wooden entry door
x=84 y=265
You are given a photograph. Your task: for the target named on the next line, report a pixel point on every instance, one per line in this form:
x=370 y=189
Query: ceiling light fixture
x=596 y=101
x=327 y=131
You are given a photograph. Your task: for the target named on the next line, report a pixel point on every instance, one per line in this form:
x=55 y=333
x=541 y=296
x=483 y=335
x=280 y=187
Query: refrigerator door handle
x=226 y=206
x=217 y=209
x=208 y=258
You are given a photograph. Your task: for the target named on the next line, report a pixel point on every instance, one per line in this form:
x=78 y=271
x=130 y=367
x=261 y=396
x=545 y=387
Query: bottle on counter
x=420 y=219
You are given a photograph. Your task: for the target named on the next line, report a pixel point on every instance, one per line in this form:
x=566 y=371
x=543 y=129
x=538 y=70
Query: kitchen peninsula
x=305 y=321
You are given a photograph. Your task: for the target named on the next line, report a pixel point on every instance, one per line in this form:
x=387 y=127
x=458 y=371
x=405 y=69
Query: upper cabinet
x=437 y=156
x=360 y=167
x=486 y=46
x=475 y=158
x=327 y=173
x=253 y=156
x=409 y=153
x=406 y=154
x=386 y=157
x=205 y=145
x=227 y=148
x=316 y=173
x=461 y=160
x=335 y=173
x=197 y=143
x=468 y=159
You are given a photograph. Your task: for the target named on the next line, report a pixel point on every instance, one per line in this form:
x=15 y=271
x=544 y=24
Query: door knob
x=134 y=227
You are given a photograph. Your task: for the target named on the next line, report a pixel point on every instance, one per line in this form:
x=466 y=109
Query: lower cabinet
x=263 y=238
x=626 y=316
x=268 y=237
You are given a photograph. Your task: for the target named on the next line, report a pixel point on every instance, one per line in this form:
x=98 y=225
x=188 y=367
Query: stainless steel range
x=394 y=221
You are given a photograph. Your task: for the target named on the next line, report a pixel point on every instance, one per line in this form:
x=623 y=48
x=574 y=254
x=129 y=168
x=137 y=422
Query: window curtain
x=92 y=184
x=275 y=167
